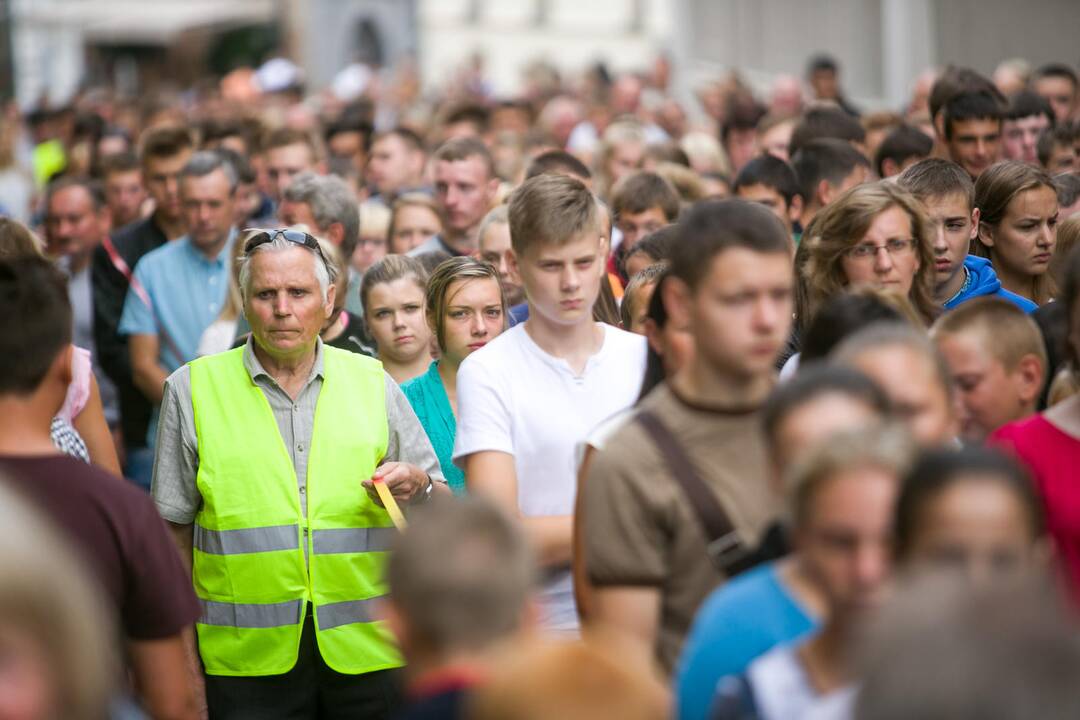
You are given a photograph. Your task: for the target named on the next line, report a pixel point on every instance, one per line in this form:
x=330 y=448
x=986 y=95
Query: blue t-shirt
x=519 y=314
x=186 y=291
x=740 y=621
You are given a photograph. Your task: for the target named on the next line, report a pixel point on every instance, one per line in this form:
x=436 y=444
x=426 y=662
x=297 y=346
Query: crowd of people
x=576 y=404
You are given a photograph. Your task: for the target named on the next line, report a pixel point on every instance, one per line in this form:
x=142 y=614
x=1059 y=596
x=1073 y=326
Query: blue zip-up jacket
x=984 y=281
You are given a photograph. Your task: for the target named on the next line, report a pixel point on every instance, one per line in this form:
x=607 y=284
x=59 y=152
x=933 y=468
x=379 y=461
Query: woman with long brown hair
x=1018 y=212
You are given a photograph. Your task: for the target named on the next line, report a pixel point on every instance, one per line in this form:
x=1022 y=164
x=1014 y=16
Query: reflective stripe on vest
x=249 y=615
x=251 y=537
x=343 y=613
x=352 y=540
x=286 y=537
x=248 y=540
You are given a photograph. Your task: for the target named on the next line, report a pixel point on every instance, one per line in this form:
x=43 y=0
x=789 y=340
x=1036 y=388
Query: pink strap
x=79 y=389
x=137 y=287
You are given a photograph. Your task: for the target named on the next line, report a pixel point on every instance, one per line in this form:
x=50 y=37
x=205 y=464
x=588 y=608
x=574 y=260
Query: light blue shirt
x=742 y=620
x=187 y=291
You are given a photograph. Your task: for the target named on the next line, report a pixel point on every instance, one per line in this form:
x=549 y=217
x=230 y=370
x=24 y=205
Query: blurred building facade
x=882 y=45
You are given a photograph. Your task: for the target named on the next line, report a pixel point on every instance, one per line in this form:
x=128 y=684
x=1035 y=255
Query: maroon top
x=119 y=532
x=1052 y=456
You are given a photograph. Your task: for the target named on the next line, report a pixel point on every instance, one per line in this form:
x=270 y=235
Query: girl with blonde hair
x=465 y=310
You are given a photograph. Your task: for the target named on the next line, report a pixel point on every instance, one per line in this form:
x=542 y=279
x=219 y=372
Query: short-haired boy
x=948 y=195
x=638 y=295
x=902 y=147
x=769 y=181
x=647 y=550
x=996 y=356
x=641 y=203
x=826 y=167
x=527 y=399
x=973 y=124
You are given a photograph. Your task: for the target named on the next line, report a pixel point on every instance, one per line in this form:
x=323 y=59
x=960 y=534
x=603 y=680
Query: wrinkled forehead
x=292 y=267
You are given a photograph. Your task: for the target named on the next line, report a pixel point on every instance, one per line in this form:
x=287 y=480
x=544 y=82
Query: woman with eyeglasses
x=393 y=298
x=466 y=310
x=873 y=235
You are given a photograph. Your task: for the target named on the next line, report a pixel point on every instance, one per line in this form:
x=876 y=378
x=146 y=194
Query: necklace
x=963 y=288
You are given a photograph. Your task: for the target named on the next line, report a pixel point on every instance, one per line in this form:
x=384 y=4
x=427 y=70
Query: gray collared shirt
x=176 y=459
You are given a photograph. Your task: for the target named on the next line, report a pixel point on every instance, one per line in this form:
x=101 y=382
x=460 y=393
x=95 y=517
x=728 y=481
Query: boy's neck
x=25 y=426
x=704 y=384
x=952 y=286
x=573 y=343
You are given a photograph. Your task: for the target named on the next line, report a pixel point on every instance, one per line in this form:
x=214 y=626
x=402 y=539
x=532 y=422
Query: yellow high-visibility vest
x=257 y=560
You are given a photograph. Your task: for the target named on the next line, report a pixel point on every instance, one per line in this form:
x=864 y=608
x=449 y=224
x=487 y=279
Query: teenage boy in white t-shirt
x=530 y=396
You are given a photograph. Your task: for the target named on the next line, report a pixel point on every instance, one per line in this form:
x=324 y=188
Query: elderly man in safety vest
x=265 y=464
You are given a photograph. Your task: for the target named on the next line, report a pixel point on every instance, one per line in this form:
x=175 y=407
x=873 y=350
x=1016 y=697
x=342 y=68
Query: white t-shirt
x=783 y=691
x=515 y=398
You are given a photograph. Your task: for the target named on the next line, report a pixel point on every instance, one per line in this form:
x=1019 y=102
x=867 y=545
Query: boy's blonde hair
x=551 y=210
x=1008 y=333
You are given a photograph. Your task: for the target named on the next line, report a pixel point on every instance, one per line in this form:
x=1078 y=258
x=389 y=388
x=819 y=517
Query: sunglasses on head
x=262 y=237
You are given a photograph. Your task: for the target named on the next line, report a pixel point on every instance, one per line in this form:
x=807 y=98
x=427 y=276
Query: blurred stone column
x=907 y=46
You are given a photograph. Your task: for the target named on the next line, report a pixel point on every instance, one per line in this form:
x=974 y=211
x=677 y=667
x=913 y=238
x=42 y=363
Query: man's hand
x=404 y=481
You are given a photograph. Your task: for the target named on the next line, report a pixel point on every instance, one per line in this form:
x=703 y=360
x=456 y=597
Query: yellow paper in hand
x=390 y=504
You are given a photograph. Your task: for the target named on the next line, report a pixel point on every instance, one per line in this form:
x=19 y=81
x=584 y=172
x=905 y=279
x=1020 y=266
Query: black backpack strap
x=725 y=547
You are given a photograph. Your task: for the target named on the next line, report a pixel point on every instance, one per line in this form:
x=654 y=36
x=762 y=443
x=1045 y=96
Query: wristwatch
x=425 y=494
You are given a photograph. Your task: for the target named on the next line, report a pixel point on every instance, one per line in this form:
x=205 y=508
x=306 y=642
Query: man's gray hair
x=461 y=576
x=325 y=273
x=331 y=201
x=205 y=162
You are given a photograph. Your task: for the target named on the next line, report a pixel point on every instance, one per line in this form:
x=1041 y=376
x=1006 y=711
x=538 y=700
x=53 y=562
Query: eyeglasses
x=895 y=247
x=262 y=237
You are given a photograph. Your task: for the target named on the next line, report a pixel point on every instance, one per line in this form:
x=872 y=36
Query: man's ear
x=975 y=215
x=335 y=233
x=795 y=208
x=331 y=295
x=889 y=168
x=825 y=193
x=512 y=267
x=677 y=301
x=1030 y=376
x=62 y=364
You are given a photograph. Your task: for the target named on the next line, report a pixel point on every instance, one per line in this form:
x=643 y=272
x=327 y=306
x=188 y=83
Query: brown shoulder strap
x=725 y=548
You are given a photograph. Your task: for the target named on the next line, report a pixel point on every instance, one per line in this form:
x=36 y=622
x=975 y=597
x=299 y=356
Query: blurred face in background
x=162 y=178
x=286 y=162
x=73 y=226
x=464 y=191
x=844 y=540
x=413 y=225
x=124 y=194
x=976 y=525
x=1021 y=136
x=494 y=244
